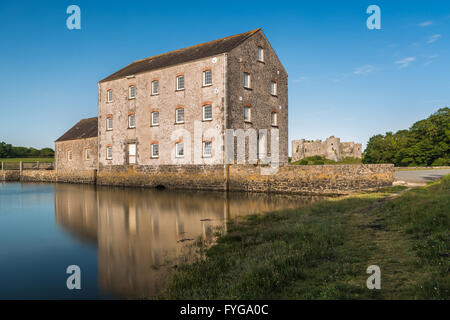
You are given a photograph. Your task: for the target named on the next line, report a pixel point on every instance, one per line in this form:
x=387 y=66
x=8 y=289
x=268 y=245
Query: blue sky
x=344 y=79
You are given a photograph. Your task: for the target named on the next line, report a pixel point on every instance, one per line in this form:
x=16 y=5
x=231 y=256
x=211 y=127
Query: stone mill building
x=147 y=111
x=175 y=107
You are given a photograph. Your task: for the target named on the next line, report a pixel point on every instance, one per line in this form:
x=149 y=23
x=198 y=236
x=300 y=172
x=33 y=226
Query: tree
x=426 y=143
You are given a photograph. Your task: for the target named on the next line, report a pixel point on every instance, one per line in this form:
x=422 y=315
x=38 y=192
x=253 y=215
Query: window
x=88 y=154
x=132 y=153
x=155 y=118
x=260 y=54
x=109 y=123
x=273 y=88
x=247 y=114
x=179 y=115
x=207 y=78
x=180 y=83
x=207 y=149
x=179 y=149
x=109 y=152
x=246 y=80
x=274 y=119
x=155 y=87
x=109 y=95
x=207 y=112
x=131 y=92
x=132 y=121
x=69 y=155
x=155 y=150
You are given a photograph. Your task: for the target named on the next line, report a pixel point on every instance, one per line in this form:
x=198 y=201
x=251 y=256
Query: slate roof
x=182 y=55
x=85 y=128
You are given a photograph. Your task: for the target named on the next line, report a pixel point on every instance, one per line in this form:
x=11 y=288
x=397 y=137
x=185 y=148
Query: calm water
x=124 y=240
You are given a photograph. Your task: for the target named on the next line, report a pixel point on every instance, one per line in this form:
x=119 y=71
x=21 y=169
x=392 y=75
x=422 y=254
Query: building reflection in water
x=142 y=233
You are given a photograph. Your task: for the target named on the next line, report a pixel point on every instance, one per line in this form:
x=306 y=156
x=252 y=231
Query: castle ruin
x=332 y=149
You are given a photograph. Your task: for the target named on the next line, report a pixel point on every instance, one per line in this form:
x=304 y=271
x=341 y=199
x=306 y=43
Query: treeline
x=426 y=143
x=9 y=151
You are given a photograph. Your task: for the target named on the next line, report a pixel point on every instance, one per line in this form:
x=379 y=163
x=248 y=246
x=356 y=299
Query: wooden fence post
x=38 y=165
x=20 y=167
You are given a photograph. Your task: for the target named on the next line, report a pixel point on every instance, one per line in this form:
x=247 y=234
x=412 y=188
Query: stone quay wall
x=314 y=180
x=51 y=176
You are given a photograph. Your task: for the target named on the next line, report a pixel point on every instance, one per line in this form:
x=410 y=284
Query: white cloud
x=430 y=59
x=364 y=69
x=301 y=79
x=434 y=38
x=425 y=23
x=405 y=62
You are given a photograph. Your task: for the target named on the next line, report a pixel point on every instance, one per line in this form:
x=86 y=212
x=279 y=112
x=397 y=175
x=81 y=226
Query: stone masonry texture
x=314 y=180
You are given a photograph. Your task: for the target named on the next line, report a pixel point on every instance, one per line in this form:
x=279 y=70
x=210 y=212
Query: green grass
x=322 y=251
x=318 y=160
x=14 y=160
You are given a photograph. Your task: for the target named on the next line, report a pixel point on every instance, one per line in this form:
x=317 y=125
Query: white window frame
x=260 y=54
x=204 y=78
x=108 y=151
x=247 y=76
x=273 y=88
x=176 y=115
x=249 y=114
x=177 y=146
x=108 y=122
x=153 y=150
x=153 y=87
x=204 y=112
x=205 y=155
x=153 y=118
x=129 y=92
x=274 y=119
x=132 y=158
x=87 y=154
x=109 y=95
x=129 y=121
x=178 y=82
x=69 y=155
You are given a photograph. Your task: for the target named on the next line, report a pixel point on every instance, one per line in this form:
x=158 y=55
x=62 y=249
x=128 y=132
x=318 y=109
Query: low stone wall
x=86 y=176
x=9 y=175
x=315 y=180
x=198 y=177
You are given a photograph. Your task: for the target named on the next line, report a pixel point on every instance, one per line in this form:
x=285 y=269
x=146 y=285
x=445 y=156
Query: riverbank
x=322 y=251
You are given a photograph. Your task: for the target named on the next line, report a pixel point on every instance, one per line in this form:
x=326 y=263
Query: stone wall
x=319 y=179
x=323 y=179
x=67 y=176
x=79 y=149
x=167 y=132
x=314 y=180
x=9 y=175
x=258 y=97
x=199 y=177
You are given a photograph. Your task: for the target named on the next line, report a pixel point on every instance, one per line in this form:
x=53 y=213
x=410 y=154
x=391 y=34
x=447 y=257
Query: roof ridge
x=250 y=33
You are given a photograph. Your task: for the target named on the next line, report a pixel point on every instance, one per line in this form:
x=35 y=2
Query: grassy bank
x=322 y=251
x=318 y=160
x=16 y=160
